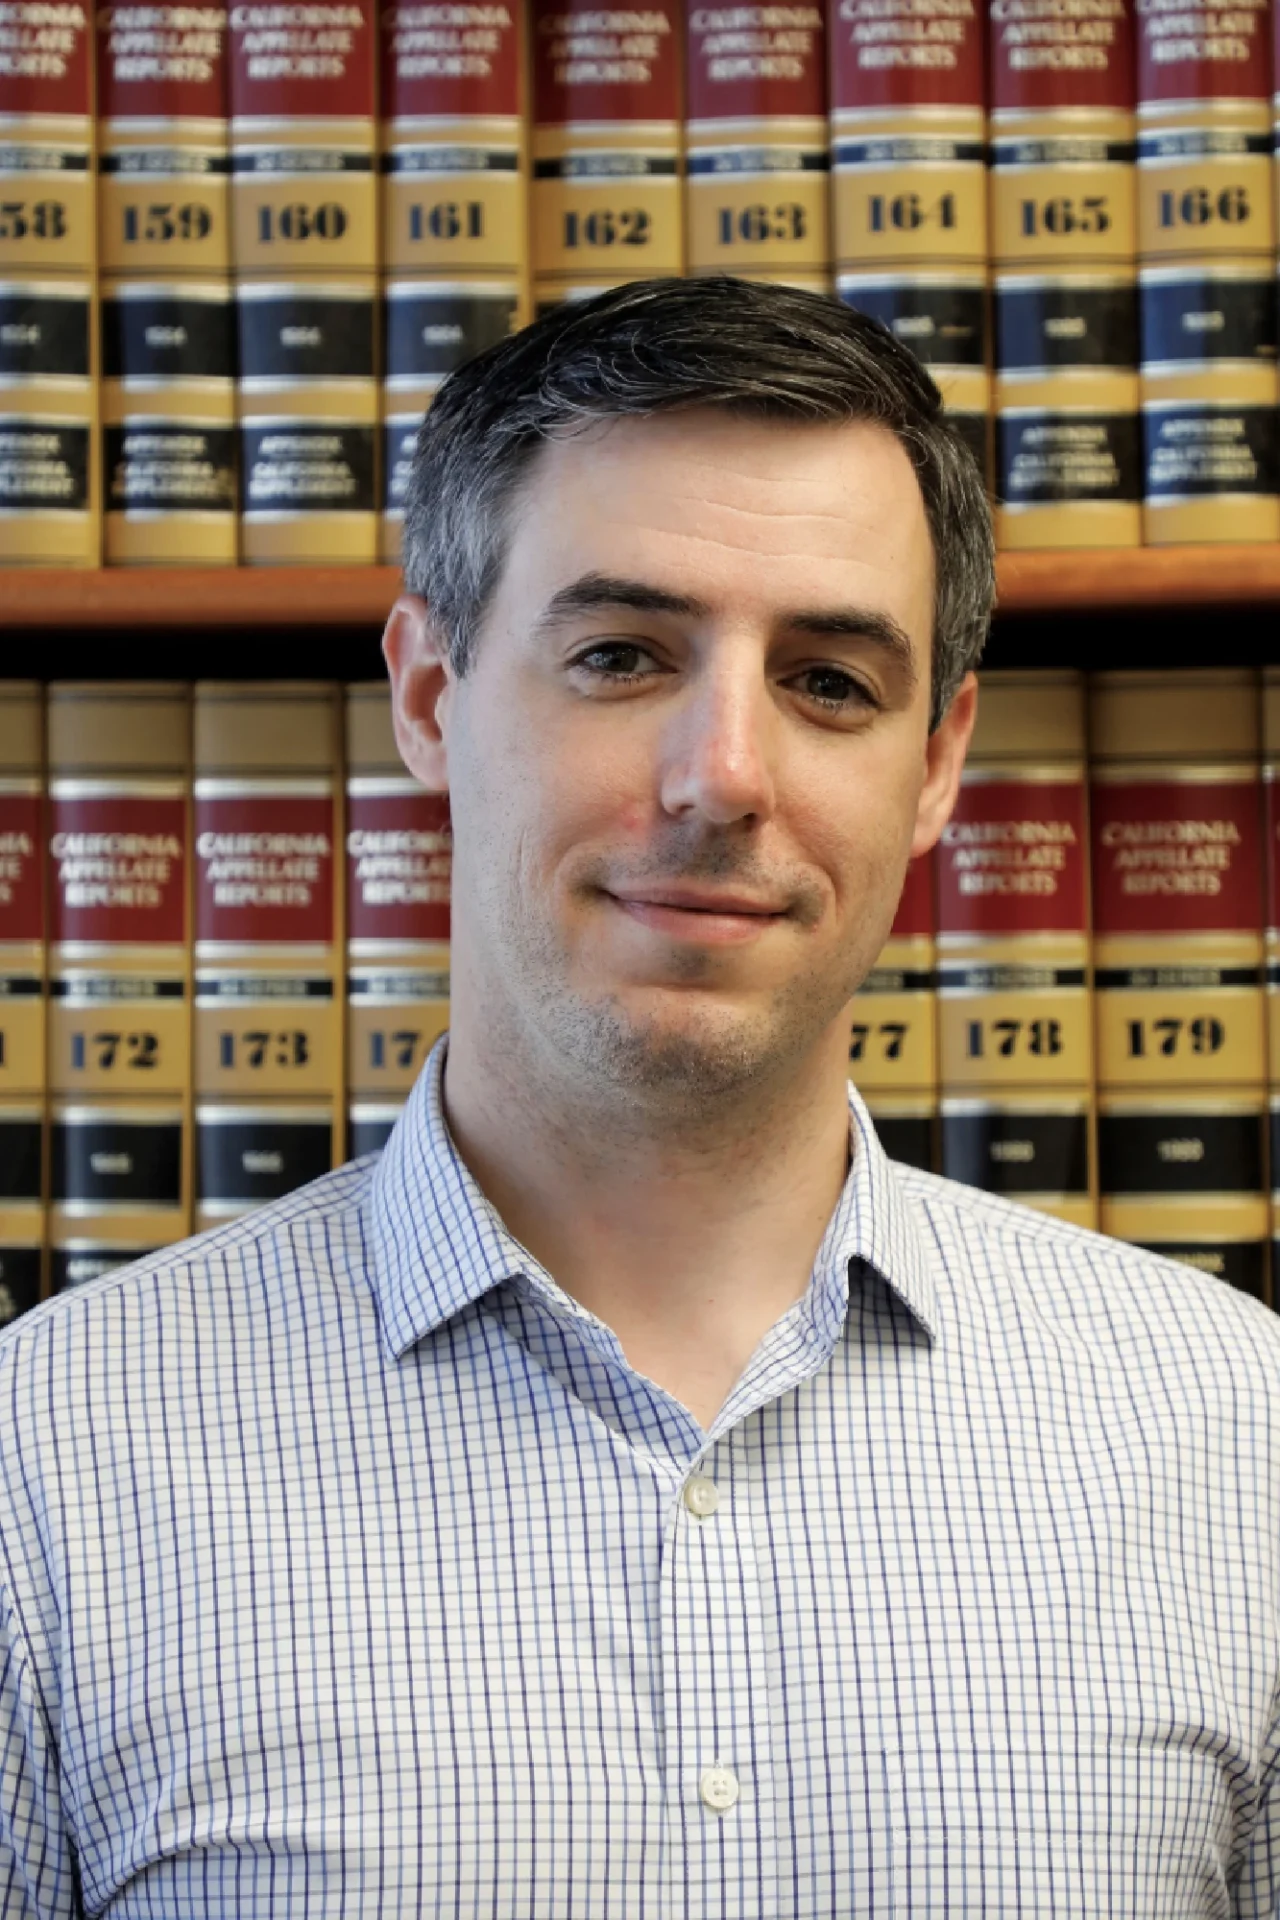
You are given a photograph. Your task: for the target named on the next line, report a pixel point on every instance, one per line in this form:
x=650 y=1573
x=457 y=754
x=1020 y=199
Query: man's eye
x=834 y=689
x=616 y=660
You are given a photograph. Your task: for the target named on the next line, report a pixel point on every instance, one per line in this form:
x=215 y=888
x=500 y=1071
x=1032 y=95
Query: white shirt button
x=719 y=1788
x=701 y=1496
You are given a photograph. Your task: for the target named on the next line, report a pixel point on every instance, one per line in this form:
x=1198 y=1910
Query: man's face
x=691 y=757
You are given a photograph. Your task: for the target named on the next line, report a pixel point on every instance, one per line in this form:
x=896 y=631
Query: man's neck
x=688 y=1243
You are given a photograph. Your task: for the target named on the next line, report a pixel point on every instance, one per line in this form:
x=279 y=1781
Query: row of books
x=204 y=1005
x=240 y=249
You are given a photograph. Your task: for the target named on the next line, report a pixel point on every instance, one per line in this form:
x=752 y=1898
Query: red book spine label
x=1201 y=51
x=44 y=58
x=162 y=63
x=1045 y=55
x=264 y=869
x=914 y=918
x=1012 y=859
x=312 y=62
x=1175 y=856
x=906 y=53
x=604 y=63
x=118 y=869
x=21 y=887
x=398 y=866
x=450 y=62
x=756 y=63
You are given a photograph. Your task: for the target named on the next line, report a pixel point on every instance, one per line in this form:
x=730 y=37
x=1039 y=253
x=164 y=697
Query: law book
x=1175 y=796
x=455 y=255
x=606 y=203
x=1063 y=240
x=304 y=228
x=909 y=187
x=399 y=851
x=1206 y=276
x=164 y=246
x=22 y=998
x=119 y=1034
x=268 y=941
x=1015 y=1014
x=756 y=165
x=49 y=505
x=1271 y=881
x=893 y=1038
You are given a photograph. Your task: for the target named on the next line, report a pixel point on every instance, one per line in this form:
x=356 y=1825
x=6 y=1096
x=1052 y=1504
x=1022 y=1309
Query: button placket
x=716 y=1697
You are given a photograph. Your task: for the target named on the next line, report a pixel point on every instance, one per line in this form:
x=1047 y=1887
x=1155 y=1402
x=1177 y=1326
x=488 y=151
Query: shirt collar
x=438 y=1245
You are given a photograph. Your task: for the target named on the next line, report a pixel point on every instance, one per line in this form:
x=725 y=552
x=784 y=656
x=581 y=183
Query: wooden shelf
x=299 y=597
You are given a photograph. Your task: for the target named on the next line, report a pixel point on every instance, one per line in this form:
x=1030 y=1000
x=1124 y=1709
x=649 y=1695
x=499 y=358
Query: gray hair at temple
x=757 y=351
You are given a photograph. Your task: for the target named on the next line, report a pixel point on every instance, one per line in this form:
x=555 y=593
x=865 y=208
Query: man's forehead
x=792 y=513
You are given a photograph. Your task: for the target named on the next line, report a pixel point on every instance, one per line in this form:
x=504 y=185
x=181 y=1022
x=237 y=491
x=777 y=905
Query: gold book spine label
x=601 y=216
x=454 y=208
x=1062 y=199
x=268 y=1033
x=309 y=209
x=893 y=1035
x=1024 y=1148
x=911 y=194
x=46 y=204
x=1205 y=191
x=163 y=208
x=248 y=1155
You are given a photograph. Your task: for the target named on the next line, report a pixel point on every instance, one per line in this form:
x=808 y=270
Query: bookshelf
x=1031 y=584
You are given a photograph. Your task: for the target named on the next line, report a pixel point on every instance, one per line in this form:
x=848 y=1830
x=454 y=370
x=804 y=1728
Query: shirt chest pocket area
x=1117 y=1828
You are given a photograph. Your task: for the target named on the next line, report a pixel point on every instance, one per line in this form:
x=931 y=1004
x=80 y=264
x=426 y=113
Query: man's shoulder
x=254 y=1266
x=1072 y=1280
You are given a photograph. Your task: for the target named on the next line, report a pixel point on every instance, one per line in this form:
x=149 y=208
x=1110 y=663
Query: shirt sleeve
x=1258 y=1888
x=37 y=1870
x=39 y=1878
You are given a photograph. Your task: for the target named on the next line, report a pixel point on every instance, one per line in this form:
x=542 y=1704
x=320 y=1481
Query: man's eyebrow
x=599 y=592
x=857 y=623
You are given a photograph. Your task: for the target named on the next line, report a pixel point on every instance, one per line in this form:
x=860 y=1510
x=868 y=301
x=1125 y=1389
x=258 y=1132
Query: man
x=632 y=1497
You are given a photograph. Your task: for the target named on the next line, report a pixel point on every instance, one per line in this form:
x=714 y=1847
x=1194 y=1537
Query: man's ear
x=944 y=763
x=417 y=658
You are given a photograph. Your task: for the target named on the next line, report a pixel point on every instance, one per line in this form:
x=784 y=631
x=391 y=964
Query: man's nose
x=719 y=745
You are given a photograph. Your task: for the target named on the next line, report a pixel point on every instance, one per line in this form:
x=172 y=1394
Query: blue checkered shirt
x=349 y=1569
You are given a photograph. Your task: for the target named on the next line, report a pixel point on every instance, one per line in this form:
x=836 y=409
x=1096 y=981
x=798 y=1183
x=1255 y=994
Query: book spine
x=1178 y=948
x=22 y=999
x=1063 y=240
x=49 y=502
x=1271 y=879
x=1015 y=1013
x=606 y=199
x=909 y=186
x=268 y=1034
x=398 y=846
x=756 y=198
x=168 y=370
x=893 y=1041
x=1206 y=277
x=454 y=212
x=304 y=247
x=119 y=1040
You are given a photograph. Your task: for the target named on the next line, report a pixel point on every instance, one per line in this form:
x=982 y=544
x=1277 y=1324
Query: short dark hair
x=653 y=346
